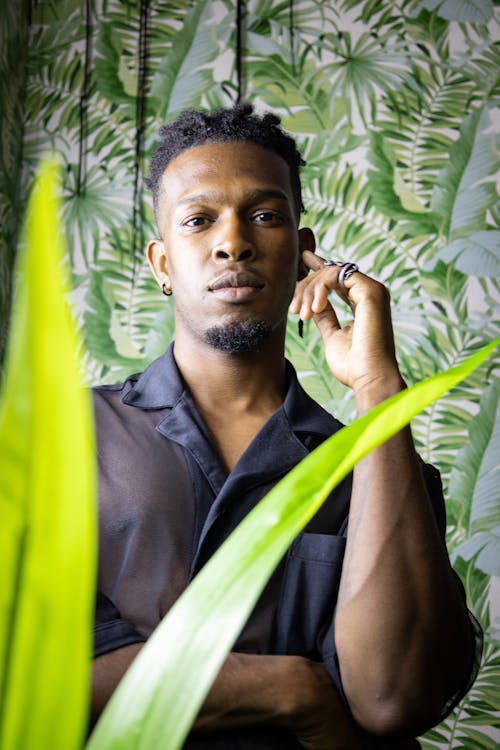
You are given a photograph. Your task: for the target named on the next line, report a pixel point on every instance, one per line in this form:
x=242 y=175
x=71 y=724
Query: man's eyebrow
x=251 y=196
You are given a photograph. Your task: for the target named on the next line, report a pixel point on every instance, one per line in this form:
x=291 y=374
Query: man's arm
x=257 y=690
x=107 y=671
x=398 y=591
x=402 y=632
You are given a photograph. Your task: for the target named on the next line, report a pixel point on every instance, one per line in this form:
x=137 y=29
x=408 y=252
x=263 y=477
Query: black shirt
x=166 y=504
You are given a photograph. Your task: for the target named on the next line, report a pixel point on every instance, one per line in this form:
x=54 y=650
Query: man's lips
x=236 y=287
x=235 y=280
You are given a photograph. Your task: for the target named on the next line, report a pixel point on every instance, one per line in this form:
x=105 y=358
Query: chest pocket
x=308 y=594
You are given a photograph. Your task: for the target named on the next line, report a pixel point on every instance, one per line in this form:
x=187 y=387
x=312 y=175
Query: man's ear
x=307 y=241
x=157 y=259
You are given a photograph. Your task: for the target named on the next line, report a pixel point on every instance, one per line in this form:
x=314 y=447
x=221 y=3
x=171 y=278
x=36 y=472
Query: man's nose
x=233 y=242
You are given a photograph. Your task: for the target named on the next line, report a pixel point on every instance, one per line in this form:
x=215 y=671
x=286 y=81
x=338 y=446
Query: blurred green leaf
x=475 y=489
x=477 y=255
x=107 y=66
x=473 y=11
x=461 y=196
x=47 y=503
x=385 y=185
x=149 y=709
x=182 y=74
x=108 y=329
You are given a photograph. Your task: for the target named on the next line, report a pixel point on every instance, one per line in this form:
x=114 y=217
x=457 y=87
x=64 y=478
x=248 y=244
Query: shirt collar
x=303 y=413
x=160 y=386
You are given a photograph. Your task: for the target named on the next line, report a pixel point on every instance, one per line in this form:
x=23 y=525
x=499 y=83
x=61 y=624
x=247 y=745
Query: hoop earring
x=166 y=292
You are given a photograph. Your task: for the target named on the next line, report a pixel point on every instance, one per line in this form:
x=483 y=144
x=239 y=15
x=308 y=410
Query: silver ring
x=333 y=263
x=347 y=271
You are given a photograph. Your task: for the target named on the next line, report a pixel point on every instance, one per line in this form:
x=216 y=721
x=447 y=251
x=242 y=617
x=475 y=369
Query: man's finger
x=327 y=321
x=313 y=260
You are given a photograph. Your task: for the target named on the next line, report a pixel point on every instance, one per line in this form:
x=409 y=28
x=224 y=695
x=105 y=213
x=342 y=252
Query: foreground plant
x=47 y=500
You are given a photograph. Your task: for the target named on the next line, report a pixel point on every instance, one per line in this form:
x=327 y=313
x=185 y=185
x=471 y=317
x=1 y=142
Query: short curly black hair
x=238 y=123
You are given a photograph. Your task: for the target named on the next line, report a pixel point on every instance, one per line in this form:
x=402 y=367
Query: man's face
x=230 y=246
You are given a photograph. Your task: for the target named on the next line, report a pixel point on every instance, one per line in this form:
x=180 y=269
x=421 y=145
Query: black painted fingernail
x=300 y=326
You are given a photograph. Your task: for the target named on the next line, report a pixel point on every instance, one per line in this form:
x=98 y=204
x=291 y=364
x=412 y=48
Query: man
x=362 y=637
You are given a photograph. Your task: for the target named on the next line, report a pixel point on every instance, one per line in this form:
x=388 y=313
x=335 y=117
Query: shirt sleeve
x=110 y=631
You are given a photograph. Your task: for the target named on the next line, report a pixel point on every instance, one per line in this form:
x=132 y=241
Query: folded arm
x=290 y=692
x=403 y=636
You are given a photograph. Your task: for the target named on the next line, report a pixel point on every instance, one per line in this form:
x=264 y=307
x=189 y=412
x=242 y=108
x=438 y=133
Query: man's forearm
x=107 y=671
x=256 y=690
x=250 y=691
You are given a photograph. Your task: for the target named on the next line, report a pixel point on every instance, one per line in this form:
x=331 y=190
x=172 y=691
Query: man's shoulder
x=108 y=397
x=109 y=389
x=156 y=387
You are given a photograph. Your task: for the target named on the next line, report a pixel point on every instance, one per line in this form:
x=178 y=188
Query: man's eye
x=267 y=216
x=195 y=221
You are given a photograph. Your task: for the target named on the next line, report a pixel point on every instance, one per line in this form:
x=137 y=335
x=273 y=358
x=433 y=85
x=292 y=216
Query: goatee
x=234 y=338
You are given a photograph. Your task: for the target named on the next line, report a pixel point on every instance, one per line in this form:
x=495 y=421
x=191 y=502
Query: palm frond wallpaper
x=395 y=107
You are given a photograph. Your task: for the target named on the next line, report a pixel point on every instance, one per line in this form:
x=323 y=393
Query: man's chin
x=242 y=336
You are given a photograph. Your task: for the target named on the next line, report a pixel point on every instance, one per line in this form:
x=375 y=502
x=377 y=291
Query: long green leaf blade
x=157 y=701
x=47 y=501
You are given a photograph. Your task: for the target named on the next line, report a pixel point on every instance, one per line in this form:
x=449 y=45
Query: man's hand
x=319 y=721
x=288 y=691
x=361 y=353
x=284 y=691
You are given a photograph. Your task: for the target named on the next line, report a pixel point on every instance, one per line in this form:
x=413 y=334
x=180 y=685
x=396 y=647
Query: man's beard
x=233 y=338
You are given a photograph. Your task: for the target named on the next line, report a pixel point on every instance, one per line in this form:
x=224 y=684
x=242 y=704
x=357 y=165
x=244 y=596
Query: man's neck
x=235 y=394
x=242 y=383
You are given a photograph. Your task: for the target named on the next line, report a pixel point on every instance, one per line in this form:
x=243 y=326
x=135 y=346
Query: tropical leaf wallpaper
x=395 y=106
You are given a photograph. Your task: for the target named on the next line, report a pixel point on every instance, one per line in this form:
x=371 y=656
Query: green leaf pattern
x=393 y=106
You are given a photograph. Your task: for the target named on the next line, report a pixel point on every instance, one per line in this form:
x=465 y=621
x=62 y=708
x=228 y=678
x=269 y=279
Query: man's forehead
x=213 y=195
x=207 y=168
x=231 y=156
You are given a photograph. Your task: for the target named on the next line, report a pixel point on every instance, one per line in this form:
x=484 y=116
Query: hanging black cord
x=291 y=26
x=239 y=49
x=84 y=102
x=30 y=5
x=140 y=116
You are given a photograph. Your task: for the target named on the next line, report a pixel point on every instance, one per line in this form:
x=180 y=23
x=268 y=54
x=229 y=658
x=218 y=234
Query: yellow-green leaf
x=47 y=500
x=157 y=701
